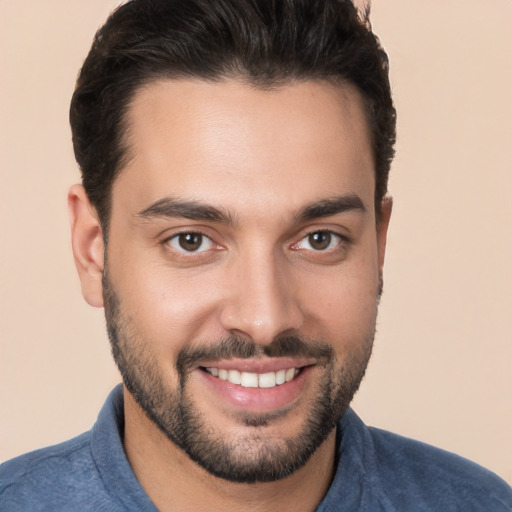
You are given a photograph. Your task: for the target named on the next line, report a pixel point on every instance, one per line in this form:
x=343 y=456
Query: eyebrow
x=331 y=206
x=169 y=207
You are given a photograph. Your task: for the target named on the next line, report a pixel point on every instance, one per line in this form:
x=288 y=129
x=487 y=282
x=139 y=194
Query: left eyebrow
x=331 y=206
x=169 y=207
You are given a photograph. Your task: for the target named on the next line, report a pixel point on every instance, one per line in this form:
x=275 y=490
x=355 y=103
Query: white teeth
x=234 y=377
x=267 y=380
x=249 y=380
x=290 y=374
x=254 y=380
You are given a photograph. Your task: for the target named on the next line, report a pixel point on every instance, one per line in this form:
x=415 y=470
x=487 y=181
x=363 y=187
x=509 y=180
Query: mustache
x=242 y=348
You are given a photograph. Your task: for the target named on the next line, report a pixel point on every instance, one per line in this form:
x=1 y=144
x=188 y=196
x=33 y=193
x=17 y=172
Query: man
x=232 y=221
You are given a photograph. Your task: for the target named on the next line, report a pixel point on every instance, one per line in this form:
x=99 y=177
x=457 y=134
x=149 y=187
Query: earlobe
x=87 y=243
x=386 y=207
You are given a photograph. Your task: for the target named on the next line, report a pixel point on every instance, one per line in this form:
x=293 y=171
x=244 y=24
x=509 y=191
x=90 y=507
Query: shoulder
x=39 y=463
x=407 y=469
x=49 y=477
x=381 y=471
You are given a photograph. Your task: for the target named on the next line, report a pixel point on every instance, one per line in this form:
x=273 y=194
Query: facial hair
x=256 y=457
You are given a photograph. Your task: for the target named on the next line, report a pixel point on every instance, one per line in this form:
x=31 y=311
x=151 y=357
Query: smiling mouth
x=254 y=380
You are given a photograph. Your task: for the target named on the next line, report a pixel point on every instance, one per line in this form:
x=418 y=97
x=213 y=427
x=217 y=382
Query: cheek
x=170 y=307
x=344 y=302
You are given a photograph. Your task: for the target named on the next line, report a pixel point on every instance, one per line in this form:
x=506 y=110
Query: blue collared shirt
x=376 y=471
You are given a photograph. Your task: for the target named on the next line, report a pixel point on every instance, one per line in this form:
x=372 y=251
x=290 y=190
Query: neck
x=171 y=479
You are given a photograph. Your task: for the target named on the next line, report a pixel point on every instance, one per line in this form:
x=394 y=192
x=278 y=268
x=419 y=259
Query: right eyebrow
x=169 y=207
x=331 y=206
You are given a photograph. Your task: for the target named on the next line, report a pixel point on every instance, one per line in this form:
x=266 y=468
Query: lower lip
x=256 y=399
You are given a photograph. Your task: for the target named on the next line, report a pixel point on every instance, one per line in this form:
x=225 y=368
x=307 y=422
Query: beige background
x=441 y=370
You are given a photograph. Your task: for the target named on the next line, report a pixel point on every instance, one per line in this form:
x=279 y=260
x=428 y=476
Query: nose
x=263 y=300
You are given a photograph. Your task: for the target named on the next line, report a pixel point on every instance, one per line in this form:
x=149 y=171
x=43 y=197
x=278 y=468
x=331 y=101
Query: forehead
x=227 y=142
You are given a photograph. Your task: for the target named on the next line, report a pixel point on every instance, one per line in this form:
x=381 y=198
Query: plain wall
x=441 y=370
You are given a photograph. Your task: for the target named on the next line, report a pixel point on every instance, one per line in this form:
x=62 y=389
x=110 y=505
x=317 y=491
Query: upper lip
x=263 y=365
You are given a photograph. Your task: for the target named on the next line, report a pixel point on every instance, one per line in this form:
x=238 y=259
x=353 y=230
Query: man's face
x=243 y=268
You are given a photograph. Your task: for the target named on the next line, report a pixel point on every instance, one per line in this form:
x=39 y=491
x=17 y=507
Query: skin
x=261 y=157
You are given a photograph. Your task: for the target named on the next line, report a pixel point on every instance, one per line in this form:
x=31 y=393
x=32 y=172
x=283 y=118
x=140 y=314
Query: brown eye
x=190 y=242
x=323 y=246
x=320 y=240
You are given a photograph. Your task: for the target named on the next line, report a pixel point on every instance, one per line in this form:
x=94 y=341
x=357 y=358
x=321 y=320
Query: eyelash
x=332 y=234
x=341 y=239
x=183 y=251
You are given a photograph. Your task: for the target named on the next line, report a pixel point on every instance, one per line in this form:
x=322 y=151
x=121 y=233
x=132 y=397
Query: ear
x=87 y=243
x=386 y=206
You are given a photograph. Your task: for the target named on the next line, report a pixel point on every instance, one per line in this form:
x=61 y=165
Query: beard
x=257 y=457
